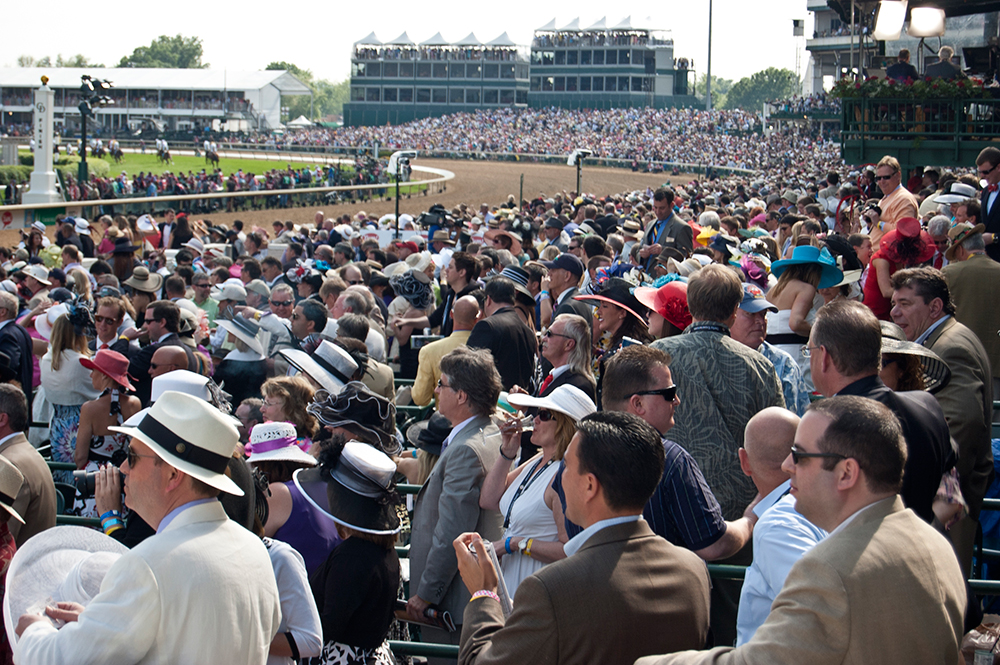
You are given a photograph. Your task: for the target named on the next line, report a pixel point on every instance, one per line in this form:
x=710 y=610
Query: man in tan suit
x=36 y=500
x=884 y=586
x=621 y=592
x=464 y=314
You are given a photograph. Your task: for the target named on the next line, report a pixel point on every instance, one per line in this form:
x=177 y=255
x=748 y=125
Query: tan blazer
x=36 y=501
x=967 y=402
x=968 y=281
x=887 y=589
x=626 y=593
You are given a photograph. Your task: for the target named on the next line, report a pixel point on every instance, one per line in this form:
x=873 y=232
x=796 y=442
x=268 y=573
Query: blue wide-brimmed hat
x=806 y=254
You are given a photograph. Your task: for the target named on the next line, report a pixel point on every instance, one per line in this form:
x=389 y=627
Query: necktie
x=545 y=384
x=992 y=188
x=938 y=261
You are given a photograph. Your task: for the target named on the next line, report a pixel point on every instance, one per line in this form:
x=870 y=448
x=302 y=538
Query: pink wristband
x=483 y=593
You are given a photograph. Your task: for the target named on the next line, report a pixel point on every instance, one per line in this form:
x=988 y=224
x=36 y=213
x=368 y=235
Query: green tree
x=772 y=83
x=78 y=60
x=176 y=52
x=327 y=99
x=720 y=88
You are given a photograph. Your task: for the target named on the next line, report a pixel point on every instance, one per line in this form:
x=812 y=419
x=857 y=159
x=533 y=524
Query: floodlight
x=889 y=22
x=926 y=22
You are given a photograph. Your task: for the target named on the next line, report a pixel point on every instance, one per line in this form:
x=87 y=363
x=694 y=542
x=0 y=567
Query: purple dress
x=308 y=529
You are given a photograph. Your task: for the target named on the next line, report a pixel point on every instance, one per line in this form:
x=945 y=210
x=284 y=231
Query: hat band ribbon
x=7 y=499
x=268 y=446
x=325 y=364
x=182 y=448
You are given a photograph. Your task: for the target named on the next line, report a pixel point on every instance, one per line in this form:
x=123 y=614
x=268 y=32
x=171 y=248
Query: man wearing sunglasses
x=897 y=202
x=880 y=560
x=986 y=166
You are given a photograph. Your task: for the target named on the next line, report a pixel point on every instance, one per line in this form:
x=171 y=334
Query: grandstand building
x=598 y=67
x=169 y=99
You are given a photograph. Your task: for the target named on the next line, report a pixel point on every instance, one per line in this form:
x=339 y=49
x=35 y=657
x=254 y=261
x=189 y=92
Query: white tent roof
x=470 y=40
x=502 y=40
x=436 y=40
x=301 y=121
x=600 y=25
x=370 y=39
x=572 y=26
x=156 y=79
x=403 y=39
x=548 y=27
x=628 y=24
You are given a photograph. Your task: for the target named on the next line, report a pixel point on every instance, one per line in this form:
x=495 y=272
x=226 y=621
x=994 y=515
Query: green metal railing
x=880 y=118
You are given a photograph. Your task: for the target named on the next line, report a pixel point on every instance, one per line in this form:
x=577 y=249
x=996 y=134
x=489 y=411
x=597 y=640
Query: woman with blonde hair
x=285 y=400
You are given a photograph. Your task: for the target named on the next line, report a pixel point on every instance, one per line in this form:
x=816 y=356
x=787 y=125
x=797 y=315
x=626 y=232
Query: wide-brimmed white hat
x=245 y=330
x=181 y=381
x=227 y=291
x=566 y=399
x=190 y=435
x=38 y=272
x=146 y=224
x=196 y=245
x=957 y=192
x=61 y=564
x=329 y=365
x=44 y=323
x=276 y=442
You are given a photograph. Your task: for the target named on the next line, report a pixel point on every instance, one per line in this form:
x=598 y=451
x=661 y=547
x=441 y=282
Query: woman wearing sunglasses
x=534 y=530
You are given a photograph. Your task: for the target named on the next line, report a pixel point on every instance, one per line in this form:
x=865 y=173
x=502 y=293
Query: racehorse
x=117 y=155
x=164 y=156
x=213 y=157
x=98 y=151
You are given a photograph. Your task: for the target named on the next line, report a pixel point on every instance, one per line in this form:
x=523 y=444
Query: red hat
x=669 y=301
x=112 y=364
x=908 y=243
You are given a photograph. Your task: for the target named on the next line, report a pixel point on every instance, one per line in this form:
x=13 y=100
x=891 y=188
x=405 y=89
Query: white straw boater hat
x=276 y=442
x=567 y=400
x=61 y=564
x=329 y=365
x=190 y=435
x=182 y=381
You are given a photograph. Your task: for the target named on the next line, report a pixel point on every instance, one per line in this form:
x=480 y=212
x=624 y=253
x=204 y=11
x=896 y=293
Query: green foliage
x=767 y=85
x=78 y=60
x=176 y=52
x=328 y=97
x=920 y=89
x=18 y=174
x=720 y=88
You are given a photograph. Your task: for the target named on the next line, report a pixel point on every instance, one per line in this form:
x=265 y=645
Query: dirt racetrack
x=475 y=182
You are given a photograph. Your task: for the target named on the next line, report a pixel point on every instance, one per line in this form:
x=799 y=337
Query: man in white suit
x=201 y=590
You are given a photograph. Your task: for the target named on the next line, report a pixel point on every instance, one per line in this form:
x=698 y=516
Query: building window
x=560 y=57
x=521 y=71
x=439 y=95
x=609 y=83
x=637 y=57
x=389 y=94
x=357 y=94
x=406 y=95
x=406 y=70
x=623 y=57
x=547 y=83
x=506 y=97
x=636 y=84
x=423 y=70
x=536 y=57
x=457 y=71
x=560 y=85
x=390 y=70
x=493 y=96
x=473 y=71
x=598 y=83
x=547 y=58
x=374 y=70
x=372 y=94
x=457 y=96
x=611 y=57
x=571 y=57
x=598 y=57
x=571 y=84
x=491 y=71
x=522 y=97
x=440 y=70
x=536 y=83
x=585 y=83
x=358 y=69
x=472 y=95
x=507 y=71
x=622 y=84
x=585 y=57
x=423 y=95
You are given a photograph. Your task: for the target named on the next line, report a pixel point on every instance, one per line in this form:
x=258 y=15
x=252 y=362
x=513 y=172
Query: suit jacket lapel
x=936 y=335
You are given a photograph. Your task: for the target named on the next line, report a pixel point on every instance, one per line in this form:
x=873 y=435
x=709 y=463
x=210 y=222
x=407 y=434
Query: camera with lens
x=86 y=483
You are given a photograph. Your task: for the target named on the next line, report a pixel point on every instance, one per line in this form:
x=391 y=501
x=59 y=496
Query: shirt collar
x=843 y=525
x=455 y=430
x=8 y=438
x=169 y=517
x=772 y=498
x=577 y=541
x=558 y=371
x=930 y=329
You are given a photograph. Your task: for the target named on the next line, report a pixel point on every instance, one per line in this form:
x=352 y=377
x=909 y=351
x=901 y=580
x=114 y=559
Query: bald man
x=167 y=359
x=464 y=314
x=781 y=535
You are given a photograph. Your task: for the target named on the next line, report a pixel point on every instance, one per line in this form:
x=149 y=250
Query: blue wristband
x=506 y=545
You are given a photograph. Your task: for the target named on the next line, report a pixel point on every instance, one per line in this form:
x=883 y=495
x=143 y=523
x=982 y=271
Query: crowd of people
x=767 y=371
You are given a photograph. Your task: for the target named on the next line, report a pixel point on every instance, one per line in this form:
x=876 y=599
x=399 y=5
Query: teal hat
x=807 y=254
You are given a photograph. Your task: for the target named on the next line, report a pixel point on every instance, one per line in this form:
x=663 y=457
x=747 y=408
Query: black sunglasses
x=884 y=177
x=800 y=455
x=989 y=171
x=668 y=393
x=282 y=303
x=544 y=415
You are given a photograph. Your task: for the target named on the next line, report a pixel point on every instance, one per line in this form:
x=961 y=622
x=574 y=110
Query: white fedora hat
x=276 y=442
x=190 y=435
x=196 y=245
x=62 y=564
x=566 y=399
x=245 y=330
x=40 y=273
x=329 y=365
x=957 y=193
x=45 y=323
x=181 y=381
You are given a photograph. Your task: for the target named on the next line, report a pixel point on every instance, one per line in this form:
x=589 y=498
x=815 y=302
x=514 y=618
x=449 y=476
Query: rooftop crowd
x=768 y=372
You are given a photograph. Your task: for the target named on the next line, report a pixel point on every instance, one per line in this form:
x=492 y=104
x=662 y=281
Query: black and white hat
x=329 y=365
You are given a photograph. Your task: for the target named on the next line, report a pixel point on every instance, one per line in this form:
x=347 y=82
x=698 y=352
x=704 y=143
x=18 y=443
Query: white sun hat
x=190 y=435
x=329 y=365
x=45 y=323
x=566 y=399
x=276 y=442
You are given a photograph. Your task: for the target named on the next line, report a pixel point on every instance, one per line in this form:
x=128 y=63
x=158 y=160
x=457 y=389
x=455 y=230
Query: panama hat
x=807 y=254
x=190 y=435
x=181 y=381
x=143 y=280
x=10 y=484
x=669 y=301
x=45 y=323
x=111 y=364
x=61 y=564
x=276 y=442
x=358 y=489
x=515 y=240
x=329 y=365
x=39 y=272
x=937 y=374
x=245 y=330
x=566 y=399
x=959 y=234
x=229 y=291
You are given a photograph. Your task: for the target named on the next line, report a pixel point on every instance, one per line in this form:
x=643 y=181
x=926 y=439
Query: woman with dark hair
x=35 y=242
x=182 y=232
x=123 y=258
x=906 y=246
x=414 y=300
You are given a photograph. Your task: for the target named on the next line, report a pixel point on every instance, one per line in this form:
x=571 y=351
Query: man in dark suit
x=36 y=500
x=943 y=68
x=167 y=227
x=923 y=308
x=16 y=342
x=845 y=356
x=505 y=335
x=987 y=164
x=596 y=604
x=162 y=322
x=109 y=317
x=667 y=231
x=902 y=69
x=448 y=502
x=565 y=273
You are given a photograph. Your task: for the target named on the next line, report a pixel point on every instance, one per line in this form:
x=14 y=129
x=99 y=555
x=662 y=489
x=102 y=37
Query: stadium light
x=926 y=22
x=889 y=22
x=576 y=159
x=397 y=161
x=90 y=96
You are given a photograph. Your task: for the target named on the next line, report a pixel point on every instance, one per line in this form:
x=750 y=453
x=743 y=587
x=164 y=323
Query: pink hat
x=112 y=364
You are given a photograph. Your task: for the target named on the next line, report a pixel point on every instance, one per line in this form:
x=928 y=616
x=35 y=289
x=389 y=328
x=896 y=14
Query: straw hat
x=276 y=442
x=143 y=280
x=61 y=564
x=190 y=435
x=38 y=272
x=245 y=330
x=566 y=399
x=329 y=365
x=959 y=234
x=10 y=484
x=111 y=364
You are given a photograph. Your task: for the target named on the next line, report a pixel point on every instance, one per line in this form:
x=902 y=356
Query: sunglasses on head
x=668 y=393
